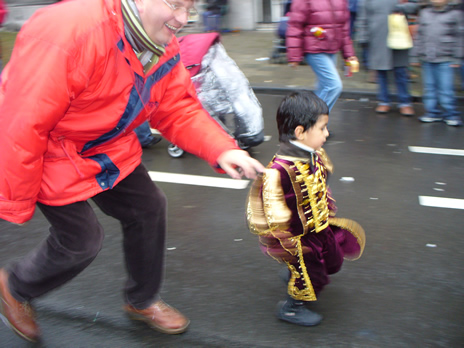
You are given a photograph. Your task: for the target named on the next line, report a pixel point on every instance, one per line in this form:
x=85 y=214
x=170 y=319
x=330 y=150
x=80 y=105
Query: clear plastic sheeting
x=226 y=94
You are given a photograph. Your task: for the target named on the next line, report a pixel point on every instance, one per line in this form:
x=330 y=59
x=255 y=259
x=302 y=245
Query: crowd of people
x=435 y=28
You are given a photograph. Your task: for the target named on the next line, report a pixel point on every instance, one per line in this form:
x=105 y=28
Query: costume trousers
x=325 y=258
x=76 y=237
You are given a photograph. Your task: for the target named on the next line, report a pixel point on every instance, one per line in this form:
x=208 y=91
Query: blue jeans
x=401 y=79
x=144 y=134
x=329 y=84
x=438 y=81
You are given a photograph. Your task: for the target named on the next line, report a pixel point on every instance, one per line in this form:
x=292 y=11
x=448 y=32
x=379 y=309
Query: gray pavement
x=406 y=290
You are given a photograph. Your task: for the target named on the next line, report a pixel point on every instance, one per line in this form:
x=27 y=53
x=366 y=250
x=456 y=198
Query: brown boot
x=407 y=111
x=382 y=109
x=19 y=316
x=160 y=316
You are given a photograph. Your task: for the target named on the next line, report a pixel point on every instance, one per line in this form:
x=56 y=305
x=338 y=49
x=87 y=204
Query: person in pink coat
x=317 y=31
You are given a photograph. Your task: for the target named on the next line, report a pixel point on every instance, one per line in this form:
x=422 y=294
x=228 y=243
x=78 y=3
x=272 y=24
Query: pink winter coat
x=3 y=11
x=331 y=15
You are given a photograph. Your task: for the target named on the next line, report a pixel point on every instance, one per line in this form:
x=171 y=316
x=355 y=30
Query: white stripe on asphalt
x=198 y=180
x=438 y=202
x=436 y=151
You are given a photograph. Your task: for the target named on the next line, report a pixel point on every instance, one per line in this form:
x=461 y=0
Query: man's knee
x=86 y=247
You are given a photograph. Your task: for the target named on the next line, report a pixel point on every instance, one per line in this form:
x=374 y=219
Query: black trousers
x=76 y=237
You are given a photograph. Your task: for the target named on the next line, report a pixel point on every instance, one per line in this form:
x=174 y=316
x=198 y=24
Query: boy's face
x=315 y=136
x=160 y=22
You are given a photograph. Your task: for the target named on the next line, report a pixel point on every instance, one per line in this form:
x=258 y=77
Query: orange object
x=354 y=64
x=318 y=32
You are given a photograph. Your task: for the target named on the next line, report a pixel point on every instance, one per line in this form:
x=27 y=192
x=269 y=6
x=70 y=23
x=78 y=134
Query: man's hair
x=301 y=108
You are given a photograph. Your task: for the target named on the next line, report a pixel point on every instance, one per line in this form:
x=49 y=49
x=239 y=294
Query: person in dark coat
x=372 y=26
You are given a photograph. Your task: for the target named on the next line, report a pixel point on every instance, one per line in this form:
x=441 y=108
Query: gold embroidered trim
x=307 y=293
x=271 y=212
x=315 y=197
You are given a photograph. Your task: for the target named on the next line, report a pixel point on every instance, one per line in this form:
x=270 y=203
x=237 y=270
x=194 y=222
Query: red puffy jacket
x=70 y=98
x=331 y=15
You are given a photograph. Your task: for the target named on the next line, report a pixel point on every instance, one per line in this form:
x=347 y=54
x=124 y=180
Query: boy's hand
x=247 y=166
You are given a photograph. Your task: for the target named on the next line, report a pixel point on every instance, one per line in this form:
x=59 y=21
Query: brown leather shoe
x=407 y=111
x=160 y=316
x=382 y=109
x=19 y=316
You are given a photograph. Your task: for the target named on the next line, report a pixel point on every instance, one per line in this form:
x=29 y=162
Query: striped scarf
x=146 y=50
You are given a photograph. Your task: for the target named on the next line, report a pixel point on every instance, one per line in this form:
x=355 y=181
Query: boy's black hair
x=301 y=108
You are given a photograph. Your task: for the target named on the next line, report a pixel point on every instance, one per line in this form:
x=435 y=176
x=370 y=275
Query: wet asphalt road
x=406 y=291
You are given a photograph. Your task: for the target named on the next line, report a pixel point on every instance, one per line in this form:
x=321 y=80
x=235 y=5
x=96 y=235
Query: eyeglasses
x=191 y=12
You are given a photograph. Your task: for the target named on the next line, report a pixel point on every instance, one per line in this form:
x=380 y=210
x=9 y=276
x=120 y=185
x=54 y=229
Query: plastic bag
x=226 y=94
x=399 y=36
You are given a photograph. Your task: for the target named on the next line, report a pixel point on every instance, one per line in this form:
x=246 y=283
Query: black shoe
x=295 y=312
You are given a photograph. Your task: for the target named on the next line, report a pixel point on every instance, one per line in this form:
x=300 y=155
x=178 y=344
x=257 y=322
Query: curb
x=348 y=94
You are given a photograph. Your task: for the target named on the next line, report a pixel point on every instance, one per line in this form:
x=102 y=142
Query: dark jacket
x=440 y=36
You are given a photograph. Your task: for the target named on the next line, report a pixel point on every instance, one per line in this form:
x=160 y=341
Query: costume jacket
x=289 y=205
x=331 y=15
x=70 y=98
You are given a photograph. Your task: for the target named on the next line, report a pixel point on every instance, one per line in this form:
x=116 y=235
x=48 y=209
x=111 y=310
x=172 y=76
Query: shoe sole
x=453 y=124
x=288 y=319
x=157 y=327
x=11 y=327
x=430 y=121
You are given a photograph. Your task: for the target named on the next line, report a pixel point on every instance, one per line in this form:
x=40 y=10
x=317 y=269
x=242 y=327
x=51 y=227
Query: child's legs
x=445 y=88
x=429 y=81
x=401 y=79
x=325 y=258
x=383 y=95
x=329 y=84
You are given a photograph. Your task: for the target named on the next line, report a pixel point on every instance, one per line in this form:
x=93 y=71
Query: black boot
x=295 y=312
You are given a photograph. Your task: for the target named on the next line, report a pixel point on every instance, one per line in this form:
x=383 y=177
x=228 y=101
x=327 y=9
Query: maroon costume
x=292 y=211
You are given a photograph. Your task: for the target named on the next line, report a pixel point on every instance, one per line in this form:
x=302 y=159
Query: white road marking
x=436 y=151
x=198 y=180
x=439 y=202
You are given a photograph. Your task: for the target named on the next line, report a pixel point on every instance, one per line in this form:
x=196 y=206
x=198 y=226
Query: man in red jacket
x=100 y=68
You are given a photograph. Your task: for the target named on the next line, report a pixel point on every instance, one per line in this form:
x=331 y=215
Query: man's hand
x=248 y=166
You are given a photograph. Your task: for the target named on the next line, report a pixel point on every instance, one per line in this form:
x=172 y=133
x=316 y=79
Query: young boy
x=291 y=209
x=439 y=46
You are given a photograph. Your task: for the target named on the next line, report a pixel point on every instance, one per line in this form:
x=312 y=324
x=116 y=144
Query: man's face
x=159 y=20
